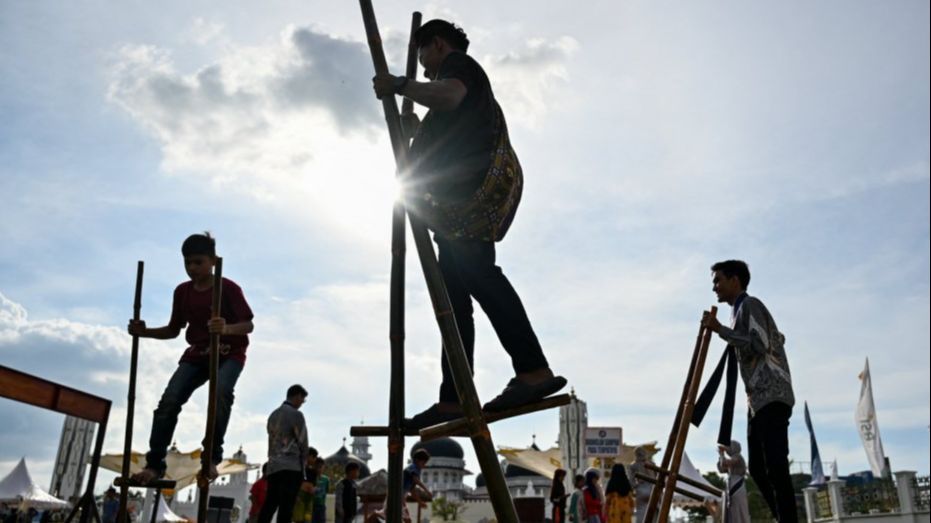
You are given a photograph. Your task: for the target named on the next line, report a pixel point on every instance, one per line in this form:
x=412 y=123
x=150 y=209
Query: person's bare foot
x=145 y=476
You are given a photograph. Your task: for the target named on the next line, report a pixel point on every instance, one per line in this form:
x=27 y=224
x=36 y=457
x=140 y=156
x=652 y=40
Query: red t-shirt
x=192 y=307
x=258 y=491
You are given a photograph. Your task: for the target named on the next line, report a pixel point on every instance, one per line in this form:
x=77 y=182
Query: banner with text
x=602 y=442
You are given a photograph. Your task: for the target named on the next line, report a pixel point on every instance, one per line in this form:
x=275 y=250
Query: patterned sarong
x=488 y=214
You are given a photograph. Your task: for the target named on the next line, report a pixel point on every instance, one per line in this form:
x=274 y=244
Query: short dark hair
x=196 y=244
x=421 y=455
x=319 y=462
x=578 y=478
x=352 y=465
x=731 y=268
x=297 y=390
x=312 y=452
x=452 y=34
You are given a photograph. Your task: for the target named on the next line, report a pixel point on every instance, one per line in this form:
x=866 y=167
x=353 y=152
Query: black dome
x=479 y=481
x=440 y=448
x=342 y=457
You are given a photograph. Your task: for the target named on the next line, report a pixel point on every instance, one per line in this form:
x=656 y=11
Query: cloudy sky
x=656 y=138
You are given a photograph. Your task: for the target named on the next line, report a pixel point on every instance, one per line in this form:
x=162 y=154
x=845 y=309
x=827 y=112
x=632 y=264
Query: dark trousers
x=187 y=378
x=768 y=449
x=283 y=487
x=319 y=513
x=469 y=271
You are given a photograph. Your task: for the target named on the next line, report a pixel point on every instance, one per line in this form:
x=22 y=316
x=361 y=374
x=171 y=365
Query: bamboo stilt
x=714 y=491
x=686 y=493
x=393 y=510
x=123 y=514
x=207 y=457
x=458 y=427
x=668 y=472
x=452 y=343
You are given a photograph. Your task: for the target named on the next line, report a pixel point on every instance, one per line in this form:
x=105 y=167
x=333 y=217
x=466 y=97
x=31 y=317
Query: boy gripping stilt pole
x=192 y=308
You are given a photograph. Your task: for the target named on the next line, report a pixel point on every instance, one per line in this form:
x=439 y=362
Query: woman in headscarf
x=592 y=503
x=731 y=462
x=619 y=496
x=642 y=488
x=558 y=496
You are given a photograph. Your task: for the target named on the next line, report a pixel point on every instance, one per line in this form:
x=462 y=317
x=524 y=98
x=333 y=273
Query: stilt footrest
x=686 y=493
x=457 y=427
x=688 y=481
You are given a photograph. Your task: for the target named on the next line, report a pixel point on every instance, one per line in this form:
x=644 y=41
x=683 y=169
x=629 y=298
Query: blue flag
x=817 y=469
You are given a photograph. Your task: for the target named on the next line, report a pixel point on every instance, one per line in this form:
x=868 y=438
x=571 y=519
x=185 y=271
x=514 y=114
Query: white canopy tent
x=17 y=487
x=164 y=513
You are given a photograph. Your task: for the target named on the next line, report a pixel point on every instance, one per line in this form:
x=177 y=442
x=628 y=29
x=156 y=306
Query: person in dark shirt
x=191 y=307
x=465 y=183
x=558 y=496
x=111 y=505
x=346 y=498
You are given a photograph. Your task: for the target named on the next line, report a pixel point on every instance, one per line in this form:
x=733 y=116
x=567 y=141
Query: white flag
x=866 y=424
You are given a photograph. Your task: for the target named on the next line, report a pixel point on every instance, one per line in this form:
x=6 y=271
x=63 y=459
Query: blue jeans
x=187 y=378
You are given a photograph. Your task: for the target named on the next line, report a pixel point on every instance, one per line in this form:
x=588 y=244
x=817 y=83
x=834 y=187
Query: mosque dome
x=440 y=448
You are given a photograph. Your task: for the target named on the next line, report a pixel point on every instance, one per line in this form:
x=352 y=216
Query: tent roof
x=18 y=487
x=182 y=466
x=164 y=513
x=688 y=470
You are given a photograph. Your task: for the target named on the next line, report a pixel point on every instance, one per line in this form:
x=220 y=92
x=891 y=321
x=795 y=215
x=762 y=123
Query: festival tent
x=18 y=487
x=164 y=514
x=688 y=470
x=181 y=466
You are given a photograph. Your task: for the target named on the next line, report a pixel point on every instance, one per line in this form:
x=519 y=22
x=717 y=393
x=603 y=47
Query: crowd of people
x=293 y=483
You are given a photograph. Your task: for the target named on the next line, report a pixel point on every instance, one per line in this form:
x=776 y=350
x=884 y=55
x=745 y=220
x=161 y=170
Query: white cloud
x=204 y=32
x=260 y=120
x=528 y=79
x=15 y=327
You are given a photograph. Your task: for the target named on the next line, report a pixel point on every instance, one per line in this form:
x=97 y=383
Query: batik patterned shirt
x=760 y=349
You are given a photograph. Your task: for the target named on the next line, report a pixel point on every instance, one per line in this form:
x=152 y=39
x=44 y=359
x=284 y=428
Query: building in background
x=74 y=449
x=573 y=420
x=446 y=470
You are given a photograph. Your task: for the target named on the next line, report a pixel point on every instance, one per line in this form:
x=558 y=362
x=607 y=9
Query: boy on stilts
x=191 y=307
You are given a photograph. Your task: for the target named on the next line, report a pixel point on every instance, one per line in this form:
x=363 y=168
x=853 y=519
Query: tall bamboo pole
x=694 y=381
x=657 y=492
x=452 y=343
x=668 y=472
x=398 y=251
x=123 y=514
x=207 y=458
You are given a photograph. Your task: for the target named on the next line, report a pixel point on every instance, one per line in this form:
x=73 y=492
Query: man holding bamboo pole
x=755 y=345
x=465 y=182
